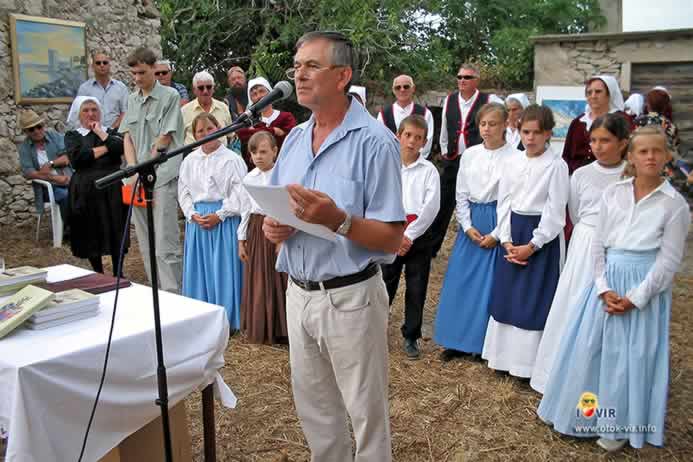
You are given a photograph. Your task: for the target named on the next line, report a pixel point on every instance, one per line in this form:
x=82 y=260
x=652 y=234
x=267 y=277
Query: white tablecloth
x=49 y=378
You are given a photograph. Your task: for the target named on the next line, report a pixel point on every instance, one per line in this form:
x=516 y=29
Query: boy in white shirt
x=421 y=198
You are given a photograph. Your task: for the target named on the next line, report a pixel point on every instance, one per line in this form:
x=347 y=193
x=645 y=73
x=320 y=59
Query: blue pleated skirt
x=463 y=310
x=522 y=295
x=212 y=271
x=623 y=359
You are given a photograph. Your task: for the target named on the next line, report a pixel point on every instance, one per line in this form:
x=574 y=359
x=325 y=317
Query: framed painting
x=49 y=59
x=566 y=103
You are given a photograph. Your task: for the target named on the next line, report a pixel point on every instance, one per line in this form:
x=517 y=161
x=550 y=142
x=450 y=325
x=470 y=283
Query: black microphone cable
x=119 y=271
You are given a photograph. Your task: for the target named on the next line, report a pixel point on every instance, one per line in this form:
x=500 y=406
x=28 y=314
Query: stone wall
x=571 y=59
x=117 y=26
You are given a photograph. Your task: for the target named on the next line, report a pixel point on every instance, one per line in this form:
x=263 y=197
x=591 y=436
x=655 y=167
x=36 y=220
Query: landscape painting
x=566 y=104
x=49 y=58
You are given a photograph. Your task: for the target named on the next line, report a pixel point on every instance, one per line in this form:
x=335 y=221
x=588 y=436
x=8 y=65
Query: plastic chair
x=56 y=218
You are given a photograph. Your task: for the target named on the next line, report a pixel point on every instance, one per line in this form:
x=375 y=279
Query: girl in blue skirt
x=611 y=372
x=211 y=195
x=532 y=198
x=463 y=311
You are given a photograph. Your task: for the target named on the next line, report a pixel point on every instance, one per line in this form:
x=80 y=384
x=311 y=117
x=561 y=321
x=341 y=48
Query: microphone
x=282 y=90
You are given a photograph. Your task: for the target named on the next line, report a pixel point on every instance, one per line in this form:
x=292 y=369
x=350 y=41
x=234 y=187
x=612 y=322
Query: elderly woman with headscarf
x=516 y=103
x=278 y=123
x=97 y=216
x=603 y=97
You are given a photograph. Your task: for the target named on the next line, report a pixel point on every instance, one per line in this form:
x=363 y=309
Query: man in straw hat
x=42 y=157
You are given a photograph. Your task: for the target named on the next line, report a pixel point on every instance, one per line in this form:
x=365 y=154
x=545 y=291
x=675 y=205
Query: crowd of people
x=561 y=271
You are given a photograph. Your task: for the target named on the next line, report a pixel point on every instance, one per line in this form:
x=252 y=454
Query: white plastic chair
x=56 y=218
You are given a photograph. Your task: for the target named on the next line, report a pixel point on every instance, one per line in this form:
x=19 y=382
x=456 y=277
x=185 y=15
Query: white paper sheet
x=274 y=202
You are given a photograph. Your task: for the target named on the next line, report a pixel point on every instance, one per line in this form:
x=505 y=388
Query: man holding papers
x=341 y=168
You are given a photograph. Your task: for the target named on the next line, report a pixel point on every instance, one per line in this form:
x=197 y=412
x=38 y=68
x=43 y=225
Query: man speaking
x=342 y=168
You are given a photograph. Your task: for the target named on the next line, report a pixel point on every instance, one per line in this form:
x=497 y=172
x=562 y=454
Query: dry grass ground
x=459 y=411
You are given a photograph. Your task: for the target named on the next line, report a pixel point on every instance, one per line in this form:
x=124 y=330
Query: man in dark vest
x=403 y=88
x=458 y=131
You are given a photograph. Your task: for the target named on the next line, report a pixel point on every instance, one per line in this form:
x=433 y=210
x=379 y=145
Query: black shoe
x=411 y=349
x=449 y=354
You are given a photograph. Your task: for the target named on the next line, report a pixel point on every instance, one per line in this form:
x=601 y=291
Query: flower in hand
x=243 y=251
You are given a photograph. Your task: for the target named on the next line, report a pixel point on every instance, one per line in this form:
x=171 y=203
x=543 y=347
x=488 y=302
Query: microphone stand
x=147 y=174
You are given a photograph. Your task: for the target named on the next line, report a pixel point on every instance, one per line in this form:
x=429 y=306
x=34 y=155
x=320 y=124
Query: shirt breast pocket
x=347 y=194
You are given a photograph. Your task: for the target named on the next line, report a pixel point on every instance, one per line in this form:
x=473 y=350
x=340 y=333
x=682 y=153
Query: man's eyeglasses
x=308 y=69
x=466 y=77
x=101 y=63
x=402 y=87
x=205 y=87
x=35 y=127
x=160 y=73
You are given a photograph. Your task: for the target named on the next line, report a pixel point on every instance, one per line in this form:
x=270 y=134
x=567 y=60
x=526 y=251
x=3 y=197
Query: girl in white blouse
x=211 y=195
x=608 y=139
x=532 y=198
x=263 y=304
x=462 y=315
x=616 y=345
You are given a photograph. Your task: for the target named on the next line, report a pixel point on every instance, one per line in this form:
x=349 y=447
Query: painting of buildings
x=49 y=59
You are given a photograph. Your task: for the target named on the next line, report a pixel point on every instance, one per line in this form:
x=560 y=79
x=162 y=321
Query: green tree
x=425 y=38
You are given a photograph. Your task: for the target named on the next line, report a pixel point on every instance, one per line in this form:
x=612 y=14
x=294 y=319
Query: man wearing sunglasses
x=163 y=71
x=458 y=132
x=42 y=157
x=203 y=88
x=403 y=88
x=111 y=93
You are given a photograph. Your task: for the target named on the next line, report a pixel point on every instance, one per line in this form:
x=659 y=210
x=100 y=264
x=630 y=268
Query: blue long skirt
x=623 y=359
x=463 y=310
x=212 y=271
x=522 y=295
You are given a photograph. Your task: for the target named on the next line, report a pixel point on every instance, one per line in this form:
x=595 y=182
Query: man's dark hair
x=142 y=55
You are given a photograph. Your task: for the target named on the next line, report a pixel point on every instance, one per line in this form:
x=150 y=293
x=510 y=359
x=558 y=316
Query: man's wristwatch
x=51 y=163
x=344 y=228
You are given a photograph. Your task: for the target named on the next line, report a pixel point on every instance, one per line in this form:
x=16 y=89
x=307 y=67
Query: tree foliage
x=425 y=38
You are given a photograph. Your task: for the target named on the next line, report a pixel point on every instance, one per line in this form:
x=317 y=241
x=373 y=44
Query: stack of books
x=14 y=279
x=65 y=307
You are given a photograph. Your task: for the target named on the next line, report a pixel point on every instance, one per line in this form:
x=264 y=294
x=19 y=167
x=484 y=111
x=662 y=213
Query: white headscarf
x=358 y=91
x=73 y=116
x=520 y=98
x=634 y=104
x=615 y=98
x=261 y=81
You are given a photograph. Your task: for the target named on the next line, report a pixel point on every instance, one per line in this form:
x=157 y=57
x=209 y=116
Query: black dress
x=96 y=216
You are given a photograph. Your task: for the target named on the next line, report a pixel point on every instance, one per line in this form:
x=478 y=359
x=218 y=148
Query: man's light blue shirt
x=359 y=167
x=113 y=98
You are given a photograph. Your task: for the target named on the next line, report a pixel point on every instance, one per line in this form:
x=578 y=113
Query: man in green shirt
x=153 y=121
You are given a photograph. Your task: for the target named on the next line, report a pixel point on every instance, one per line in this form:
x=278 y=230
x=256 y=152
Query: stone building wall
x=118 y=26
x=571 y=59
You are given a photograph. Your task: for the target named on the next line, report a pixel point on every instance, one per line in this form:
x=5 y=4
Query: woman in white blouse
x=211 y=195
x=462 y=315
x=532 y=198
x=616 y=345
x=608 y=138
x=263 y=304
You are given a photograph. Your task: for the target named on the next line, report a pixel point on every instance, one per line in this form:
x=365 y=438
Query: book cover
x=66 y=302
x=17 y=309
